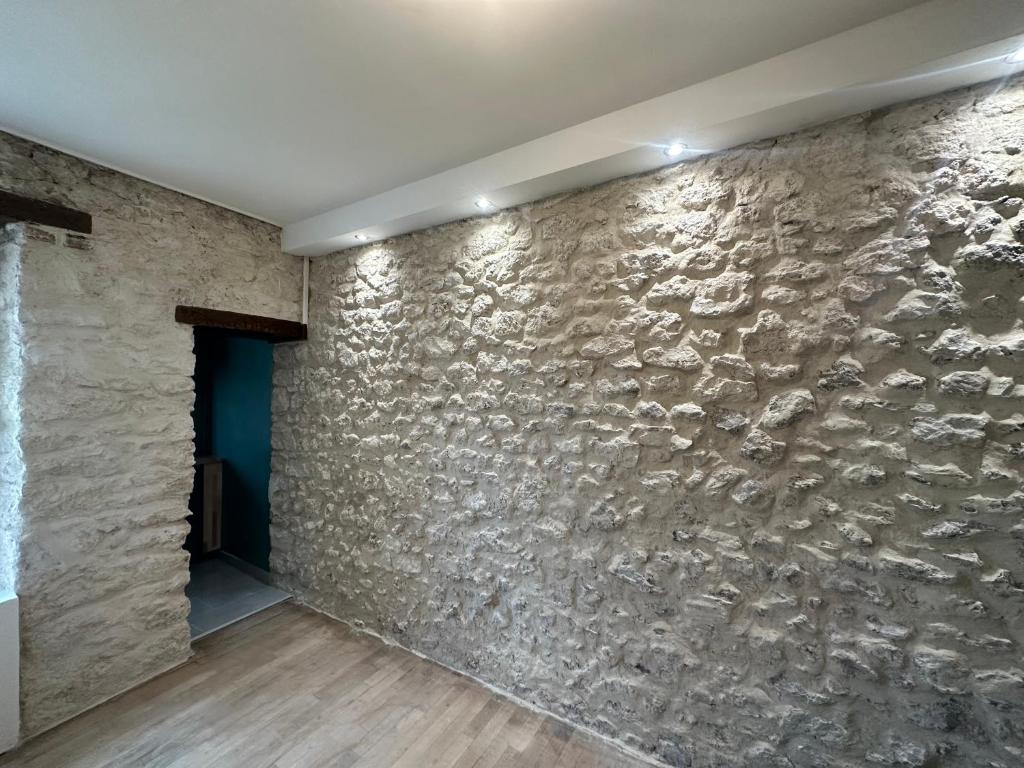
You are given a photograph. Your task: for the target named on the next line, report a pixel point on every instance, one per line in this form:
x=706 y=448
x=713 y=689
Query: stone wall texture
x=106 y=431
x=723 y=461
x=11 y=469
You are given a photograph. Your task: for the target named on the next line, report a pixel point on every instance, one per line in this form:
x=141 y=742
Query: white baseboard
x=9 y=672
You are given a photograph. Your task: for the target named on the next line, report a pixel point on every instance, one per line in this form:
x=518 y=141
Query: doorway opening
x=229 y=534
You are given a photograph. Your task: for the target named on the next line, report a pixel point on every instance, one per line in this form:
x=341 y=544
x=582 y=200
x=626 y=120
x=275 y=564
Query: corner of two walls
x=722 y=461
x=11 y=476
x=106 y=431
x=11 y=467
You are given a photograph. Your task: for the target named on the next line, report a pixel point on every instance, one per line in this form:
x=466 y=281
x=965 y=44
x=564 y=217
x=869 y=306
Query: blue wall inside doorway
x=232 y=422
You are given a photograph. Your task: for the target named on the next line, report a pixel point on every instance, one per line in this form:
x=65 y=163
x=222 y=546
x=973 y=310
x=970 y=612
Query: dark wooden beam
x=19 y=208
x=267 y=328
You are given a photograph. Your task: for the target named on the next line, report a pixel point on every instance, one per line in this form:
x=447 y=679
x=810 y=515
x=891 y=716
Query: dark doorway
x=229 y=537
x=232 y=424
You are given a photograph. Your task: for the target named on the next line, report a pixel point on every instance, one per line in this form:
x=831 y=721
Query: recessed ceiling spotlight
x=361 y=237
x=1017 y=57
x=675 y=149
x=483 y=203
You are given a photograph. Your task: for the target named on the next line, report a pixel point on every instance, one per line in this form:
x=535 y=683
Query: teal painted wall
x=232 y=420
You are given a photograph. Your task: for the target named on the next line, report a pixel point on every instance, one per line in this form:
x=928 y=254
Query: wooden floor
x=289 y=688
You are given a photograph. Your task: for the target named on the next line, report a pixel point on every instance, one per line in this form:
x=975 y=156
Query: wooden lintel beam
x=269 y=328
x=20 y=208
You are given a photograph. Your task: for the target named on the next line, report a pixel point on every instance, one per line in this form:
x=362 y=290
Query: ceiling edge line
x=103 y=164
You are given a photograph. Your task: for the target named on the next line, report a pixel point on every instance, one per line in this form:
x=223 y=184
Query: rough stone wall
x=11 y=470
x=723 y=461
x=106 y=394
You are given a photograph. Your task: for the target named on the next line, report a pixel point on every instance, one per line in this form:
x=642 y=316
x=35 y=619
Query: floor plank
x=290 y=688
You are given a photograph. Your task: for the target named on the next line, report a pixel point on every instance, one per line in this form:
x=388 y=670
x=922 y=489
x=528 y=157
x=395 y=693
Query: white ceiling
x=338 y=117
x=287 y=109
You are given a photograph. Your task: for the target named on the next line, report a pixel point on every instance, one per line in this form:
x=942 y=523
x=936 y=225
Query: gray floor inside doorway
x=221 y=594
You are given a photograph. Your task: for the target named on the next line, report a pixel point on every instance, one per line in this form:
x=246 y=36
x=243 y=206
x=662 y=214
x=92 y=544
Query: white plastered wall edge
x=9 y=665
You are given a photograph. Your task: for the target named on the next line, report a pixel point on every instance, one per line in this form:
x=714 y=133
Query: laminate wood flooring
x=291 y=688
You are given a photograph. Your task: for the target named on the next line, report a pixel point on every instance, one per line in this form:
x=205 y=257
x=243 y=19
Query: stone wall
x=106 y=431
x=723 y=461
x=11 y=470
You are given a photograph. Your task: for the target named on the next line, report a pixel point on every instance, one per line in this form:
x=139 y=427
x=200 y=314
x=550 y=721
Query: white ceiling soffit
x=287 y=109
x=926 y=49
